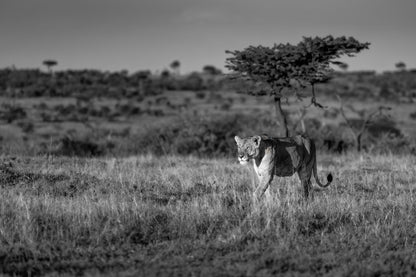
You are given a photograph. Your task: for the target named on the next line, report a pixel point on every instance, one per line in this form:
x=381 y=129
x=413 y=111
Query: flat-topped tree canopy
x=306 y=62
x=50 y=63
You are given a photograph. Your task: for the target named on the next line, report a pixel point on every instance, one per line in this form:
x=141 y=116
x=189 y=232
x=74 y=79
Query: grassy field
x=176 y=216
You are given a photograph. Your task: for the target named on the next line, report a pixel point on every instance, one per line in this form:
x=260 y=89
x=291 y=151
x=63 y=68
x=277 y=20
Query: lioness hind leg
x=307 y=186
x=305 y=178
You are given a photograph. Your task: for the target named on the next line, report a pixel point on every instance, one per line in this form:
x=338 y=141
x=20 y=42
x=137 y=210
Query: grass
x=186 y=216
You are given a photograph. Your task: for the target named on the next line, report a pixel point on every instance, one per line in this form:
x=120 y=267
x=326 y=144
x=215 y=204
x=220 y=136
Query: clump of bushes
x=200 y=136
x=82 y=147
x=26 y=126
x=214 y=137
x=11 y=112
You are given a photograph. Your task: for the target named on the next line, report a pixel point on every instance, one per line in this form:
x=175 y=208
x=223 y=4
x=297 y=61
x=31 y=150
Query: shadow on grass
x=55 y=185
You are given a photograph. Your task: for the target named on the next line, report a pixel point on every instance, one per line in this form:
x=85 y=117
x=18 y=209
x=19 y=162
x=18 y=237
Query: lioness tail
x=315 y=173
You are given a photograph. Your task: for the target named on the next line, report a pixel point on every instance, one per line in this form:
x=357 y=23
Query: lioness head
x=248 y=148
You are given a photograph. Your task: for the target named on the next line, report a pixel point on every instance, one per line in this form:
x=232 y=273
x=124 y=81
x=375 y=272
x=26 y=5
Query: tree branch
x=345 y=117
x=301 y=117
x=313 y=99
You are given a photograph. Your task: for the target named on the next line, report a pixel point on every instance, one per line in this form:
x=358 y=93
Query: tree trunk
x=281 y=116
x=359 y=142
x=313 y=91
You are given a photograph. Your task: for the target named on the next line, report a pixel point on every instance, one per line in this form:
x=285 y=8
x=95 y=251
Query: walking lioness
x=281 y=157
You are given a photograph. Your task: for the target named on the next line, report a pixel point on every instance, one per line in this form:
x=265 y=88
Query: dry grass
x=187 y=216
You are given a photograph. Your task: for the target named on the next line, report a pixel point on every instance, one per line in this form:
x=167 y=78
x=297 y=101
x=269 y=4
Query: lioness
x=281 y=157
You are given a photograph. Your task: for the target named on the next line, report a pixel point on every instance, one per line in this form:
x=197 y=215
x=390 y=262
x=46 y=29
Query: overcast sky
x=150 y=34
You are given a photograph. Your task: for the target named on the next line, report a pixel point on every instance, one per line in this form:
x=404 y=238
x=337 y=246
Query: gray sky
x=150 y=34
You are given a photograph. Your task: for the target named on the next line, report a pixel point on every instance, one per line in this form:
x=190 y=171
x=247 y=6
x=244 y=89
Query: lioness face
x=248 y=148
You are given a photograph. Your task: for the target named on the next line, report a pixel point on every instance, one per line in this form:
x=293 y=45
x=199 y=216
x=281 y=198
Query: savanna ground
x=176 y=216
x=176 y=212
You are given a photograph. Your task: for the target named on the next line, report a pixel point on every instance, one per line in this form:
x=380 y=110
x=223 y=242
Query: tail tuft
x=329 y=178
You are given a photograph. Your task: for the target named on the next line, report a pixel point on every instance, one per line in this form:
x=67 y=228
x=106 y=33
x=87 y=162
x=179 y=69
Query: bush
x=388 y=144
x=81 y=147
x=26 y=126
x=211 y=137
x=200 y=94
x=11 y=112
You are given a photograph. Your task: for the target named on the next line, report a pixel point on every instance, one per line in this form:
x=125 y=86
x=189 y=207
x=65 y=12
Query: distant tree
x=142 y=78
x=165 y=74
x=193 y=82
x=386 y=92
x=49 y=64
x=211 y=70
x=175 y=66
x=282 y=69
x=401 y=66
x=165 y=79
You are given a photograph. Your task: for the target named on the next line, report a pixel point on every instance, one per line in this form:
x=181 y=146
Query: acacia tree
x=211 y=70
x=401 y=66
x=280 y=70
x=143 y=77
x=165 y=79
x=175 y=65
x=49 y=64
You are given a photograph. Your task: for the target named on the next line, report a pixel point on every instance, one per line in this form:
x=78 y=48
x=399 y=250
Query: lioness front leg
x=265 y=181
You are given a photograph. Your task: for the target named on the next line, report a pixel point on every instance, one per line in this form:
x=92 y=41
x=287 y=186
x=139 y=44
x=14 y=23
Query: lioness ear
x=257 y=140
x=237 y=140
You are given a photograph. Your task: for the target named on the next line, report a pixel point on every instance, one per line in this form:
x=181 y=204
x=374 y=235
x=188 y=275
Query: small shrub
x=200 y=94
x=82 y=147
x=26 y=126
x=140 y=98
x=161 y=100
x=226 y=106
x=312 y=123
x=384 y=126
x=388 y=144
x=65 y=110
x=41 y=106
x=11 y=112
